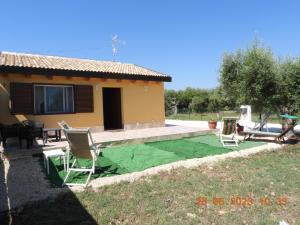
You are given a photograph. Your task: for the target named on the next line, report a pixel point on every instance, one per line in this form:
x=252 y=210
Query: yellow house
x=102 y=95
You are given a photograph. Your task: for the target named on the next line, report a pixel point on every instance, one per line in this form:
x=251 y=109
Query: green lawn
x=171 y=197
x=138 y=157
x=208 y=116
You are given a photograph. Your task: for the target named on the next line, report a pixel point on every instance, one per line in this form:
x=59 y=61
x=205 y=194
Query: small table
x=54 y=153
x=56 y=135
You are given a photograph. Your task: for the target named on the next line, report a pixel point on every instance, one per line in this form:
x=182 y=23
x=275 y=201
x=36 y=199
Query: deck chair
x=261 y=123
x=65 y=126
x=228 y=133
x=81 y=146
x=288 y=133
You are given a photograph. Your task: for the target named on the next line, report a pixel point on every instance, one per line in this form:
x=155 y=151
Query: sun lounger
x=288 y=132
x=261 y=123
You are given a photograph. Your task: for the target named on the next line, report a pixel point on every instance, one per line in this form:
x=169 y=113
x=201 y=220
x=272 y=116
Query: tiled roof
x=40 y=64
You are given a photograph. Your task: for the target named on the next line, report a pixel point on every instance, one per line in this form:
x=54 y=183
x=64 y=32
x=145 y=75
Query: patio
x=23 y=167
x=109 y=138
x=130 y=158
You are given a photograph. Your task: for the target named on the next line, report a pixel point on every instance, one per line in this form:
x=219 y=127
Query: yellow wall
x=142 y=102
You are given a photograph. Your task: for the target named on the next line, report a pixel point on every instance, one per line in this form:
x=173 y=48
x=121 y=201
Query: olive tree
x=250 y=77
x=288 y=99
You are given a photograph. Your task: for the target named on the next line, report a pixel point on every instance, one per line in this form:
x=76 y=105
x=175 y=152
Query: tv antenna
x=115 y=42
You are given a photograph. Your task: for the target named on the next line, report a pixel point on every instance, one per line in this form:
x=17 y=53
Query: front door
x=112 y=109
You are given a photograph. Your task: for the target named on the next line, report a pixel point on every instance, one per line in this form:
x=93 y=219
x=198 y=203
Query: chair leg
x=64 y=158
x=4 y=142
x=66 y=178
x=88 y=179
x=45 y=162
x=73 y=163
x=48 y=165
x=43 y=140
x=93 y=168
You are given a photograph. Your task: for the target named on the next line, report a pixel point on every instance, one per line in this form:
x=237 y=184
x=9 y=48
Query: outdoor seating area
x=27 y=130
x=83 y=156
x=123 y=159
x=288 y=124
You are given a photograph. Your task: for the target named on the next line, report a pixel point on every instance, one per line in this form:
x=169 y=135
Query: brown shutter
x=84 y=100
x=21 y=96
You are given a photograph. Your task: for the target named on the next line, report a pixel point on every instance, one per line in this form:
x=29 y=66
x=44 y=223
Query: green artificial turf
x=137 y=157
x=213 y=140
x=187 y=149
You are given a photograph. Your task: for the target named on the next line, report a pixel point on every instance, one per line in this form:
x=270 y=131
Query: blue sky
x=184 y=39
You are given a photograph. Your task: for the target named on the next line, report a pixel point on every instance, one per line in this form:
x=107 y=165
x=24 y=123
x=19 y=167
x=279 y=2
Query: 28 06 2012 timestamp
x=243 y=201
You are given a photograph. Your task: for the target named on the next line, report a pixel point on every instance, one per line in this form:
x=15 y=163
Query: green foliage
x=199 y=104
x=250 y=77
x=216 y=102
x=259 y=79
x=231 y=77
x=171 y=97
x=288 y=98
x=188 y=100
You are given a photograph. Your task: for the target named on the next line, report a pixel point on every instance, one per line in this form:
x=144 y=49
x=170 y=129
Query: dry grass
x=171 y=198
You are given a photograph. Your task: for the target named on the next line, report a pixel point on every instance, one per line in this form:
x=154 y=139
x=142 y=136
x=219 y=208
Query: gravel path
x=23 y=181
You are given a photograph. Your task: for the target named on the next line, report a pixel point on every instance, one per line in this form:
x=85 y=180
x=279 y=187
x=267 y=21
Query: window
x=53 y=99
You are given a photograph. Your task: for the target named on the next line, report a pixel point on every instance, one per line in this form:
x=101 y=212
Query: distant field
x=208 y=116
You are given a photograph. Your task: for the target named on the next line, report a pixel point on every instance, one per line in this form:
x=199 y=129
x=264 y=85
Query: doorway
x=112 y=108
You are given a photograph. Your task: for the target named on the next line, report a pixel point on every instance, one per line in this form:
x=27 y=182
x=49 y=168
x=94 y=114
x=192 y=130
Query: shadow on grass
x=104 y=168
x=17 y=207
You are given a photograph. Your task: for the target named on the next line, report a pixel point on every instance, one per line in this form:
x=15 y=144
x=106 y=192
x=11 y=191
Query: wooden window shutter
x=84 y=100
x=21 y=96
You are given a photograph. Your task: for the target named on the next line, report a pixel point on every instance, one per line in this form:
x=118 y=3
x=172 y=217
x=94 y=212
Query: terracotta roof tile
x=9 y=60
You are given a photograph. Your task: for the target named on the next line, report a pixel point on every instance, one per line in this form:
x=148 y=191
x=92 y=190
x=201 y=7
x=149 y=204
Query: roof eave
x=76 y=73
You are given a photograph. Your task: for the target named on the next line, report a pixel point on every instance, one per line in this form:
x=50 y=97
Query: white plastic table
x=54 y=153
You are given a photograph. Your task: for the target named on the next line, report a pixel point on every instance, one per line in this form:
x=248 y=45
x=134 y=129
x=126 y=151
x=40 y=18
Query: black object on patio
x=30 y=131
x=9 y=131
x=27 y=129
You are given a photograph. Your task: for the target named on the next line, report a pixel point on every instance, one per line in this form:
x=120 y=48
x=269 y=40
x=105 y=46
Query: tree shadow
x=27 y=198
x=104 y=168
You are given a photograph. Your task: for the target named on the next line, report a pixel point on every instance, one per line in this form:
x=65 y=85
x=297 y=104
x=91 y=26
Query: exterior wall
x=142 y=102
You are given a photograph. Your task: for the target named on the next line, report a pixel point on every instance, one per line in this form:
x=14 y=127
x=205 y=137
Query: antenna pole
x=114 y=44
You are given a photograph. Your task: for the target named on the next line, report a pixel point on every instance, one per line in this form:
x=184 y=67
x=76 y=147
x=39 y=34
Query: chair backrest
x=229 y=125
x=263 y=121
x=33 y=124
x=32 y=128
x=63 y=125
x=79 y=143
